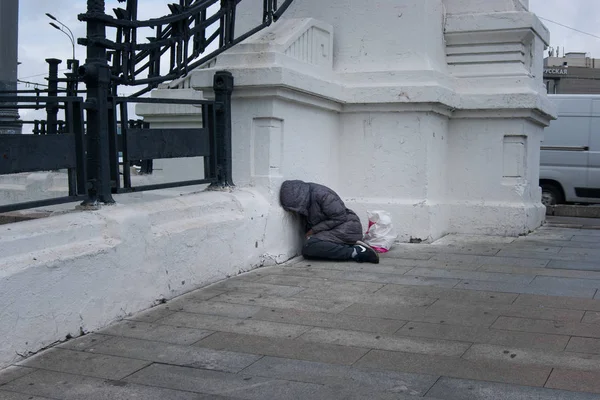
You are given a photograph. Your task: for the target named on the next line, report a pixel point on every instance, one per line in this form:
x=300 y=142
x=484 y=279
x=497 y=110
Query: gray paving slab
x=234 y=385
x=584 y=345
x=566 y=282
x=563 y=273
x=4 y=395
x=386 y=342
x=508 y=310
x=463 y=240
x=250 y=387
x=290 y=348
x=467 y=316
x=545 y=256
x=525 y=242
x=152 y=314
x=572 y=303
x=491 y=260
x=397 y=262
x=532 y=247
x=586 y=238
x=475 y=275
x=338 y=375
x=219 y=308
x=436 y=248
x=13 y=372
x=550 y=234
x=325 y=320
x=83 y=363
x=455 y=367
x=588 y=252
x=591 y=317
x=544 y=289
x=322 y=284
x=63 y=386
x=156 y=332
x=480 y=334
x=254 y=287
x=397 y=252
x=205 y=293
x=234 y=325
x=574 y=264
x=195 y=357
x=575 y=381
x=449 y=294
x=462 y=389
x=373 y=277
x=533 y=357
x=550 y=327
x=83 y=342
x=366 y=298
x=385 y=266
x=296 y=303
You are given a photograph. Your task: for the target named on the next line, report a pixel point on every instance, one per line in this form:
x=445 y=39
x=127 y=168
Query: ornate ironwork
x=183 y=37
x=90 y=148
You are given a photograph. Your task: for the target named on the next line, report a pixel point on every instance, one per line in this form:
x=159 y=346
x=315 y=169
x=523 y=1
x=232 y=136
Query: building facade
x=573 y=73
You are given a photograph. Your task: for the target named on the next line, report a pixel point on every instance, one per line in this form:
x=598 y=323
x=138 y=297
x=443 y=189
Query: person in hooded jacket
x=333 y=232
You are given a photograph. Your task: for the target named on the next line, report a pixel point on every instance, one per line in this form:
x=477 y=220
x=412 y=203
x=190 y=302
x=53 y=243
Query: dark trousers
x=315 y=249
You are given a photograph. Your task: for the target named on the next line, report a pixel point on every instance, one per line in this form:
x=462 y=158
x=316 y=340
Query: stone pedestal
x=430 y=109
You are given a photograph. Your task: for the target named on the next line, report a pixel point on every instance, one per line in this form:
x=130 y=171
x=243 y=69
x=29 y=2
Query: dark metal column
x=96 y=74
x=223 y=87
x=9 y=22
x=52 y=107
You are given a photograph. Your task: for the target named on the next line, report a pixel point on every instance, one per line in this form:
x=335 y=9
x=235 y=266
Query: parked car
x=570 y=153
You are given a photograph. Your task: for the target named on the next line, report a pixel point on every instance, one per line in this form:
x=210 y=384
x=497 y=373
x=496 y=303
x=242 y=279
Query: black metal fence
x=86 y=141
x=46 y=152
x=56 y=145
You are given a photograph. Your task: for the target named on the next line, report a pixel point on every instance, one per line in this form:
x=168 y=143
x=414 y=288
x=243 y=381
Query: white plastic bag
x=380 y=235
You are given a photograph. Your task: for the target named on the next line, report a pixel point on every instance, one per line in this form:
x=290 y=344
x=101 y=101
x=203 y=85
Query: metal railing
x=47 y=152
x=84 y=137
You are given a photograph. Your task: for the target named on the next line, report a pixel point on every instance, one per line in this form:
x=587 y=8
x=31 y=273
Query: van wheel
x=551 y=195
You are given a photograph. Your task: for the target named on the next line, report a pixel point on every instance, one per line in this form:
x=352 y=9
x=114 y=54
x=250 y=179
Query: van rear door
x=564 y=155
x=592 y=191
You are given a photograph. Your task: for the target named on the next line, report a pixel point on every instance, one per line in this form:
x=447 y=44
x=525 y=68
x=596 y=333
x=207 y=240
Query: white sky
x=38 y=40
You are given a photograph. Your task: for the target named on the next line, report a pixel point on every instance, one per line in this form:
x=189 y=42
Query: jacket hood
x=295 y=196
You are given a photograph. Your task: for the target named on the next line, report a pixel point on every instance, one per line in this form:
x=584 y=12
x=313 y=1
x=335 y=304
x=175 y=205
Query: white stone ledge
x=512 y=20
x=80 y=271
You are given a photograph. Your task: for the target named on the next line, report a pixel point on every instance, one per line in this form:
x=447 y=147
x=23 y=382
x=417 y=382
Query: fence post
x=52 y=106
x=223 y=88
x=96 y=75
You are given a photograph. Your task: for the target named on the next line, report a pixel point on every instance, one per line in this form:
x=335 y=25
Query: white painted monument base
x=433 y=110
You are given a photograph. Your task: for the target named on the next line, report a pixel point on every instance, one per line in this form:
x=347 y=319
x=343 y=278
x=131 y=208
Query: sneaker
x=365 y=254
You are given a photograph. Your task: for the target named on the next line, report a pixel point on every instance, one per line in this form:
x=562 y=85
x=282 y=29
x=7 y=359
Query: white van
x=570 y=154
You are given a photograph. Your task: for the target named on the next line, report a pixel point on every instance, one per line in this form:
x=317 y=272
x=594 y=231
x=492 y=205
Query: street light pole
x=9 y=21
x=69 y=35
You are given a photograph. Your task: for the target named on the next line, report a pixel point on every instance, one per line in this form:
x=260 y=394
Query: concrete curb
x=592 y=211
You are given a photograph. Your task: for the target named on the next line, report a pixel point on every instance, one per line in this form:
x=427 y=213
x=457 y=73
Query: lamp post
x=69 y=34
x=9 y=21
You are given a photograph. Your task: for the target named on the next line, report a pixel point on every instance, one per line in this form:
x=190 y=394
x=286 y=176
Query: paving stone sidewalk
x=467 y=318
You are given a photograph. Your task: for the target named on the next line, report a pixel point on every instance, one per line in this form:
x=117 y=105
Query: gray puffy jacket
x=326 y=214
